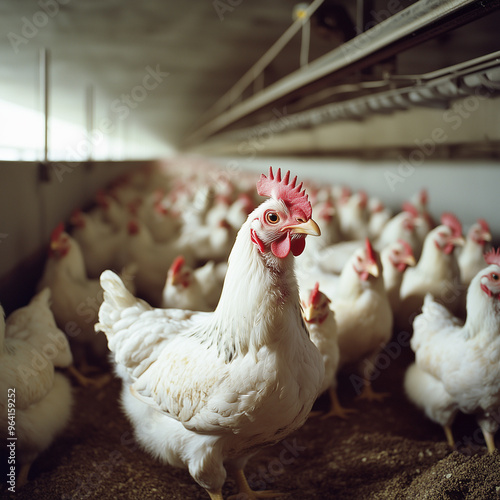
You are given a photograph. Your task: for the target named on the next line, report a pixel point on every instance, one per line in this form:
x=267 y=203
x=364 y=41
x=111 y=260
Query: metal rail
x=480 y=75
x=415 y=24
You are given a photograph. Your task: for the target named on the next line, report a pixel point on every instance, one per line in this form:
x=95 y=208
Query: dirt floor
x=383 y=451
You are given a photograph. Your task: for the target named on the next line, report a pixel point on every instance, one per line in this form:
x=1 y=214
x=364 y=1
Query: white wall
x=30 y=208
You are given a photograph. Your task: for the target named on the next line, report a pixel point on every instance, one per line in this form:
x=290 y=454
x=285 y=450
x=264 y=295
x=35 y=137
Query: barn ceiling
x=155 y=67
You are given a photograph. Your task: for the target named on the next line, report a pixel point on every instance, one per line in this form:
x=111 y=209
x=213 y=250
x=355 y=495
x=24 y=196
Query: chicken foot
x=367 y=368
x=336 y=409
x=246 y=492
x=370 y=395
x=84 y=381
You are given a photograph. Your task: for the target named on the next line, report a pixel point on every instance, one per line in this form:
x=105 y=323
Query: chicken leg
x=449 y=435
x=336 y=409
x=369 y=394
x=215 y=496
x=245 y=490
x=84 y=381
x=22 y=478
x=367 y=367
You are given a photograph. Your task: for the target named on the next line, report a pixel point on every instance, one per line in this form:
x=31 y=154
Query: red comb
x=369 y=251
x=484 y=225
x=283 y=189
x=160 y=209
x=56 y=233
x=406 y=246
x=492 y=257
x=411 y=209
x=345 y=193
x=424 y=197
x=452 y=222
x=177 y=265
x=314 y=297
x=363 y=199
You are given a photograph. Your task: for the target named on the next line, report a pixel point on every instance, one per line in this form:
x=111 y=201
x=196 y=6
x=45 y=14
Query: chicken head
x=282 y=222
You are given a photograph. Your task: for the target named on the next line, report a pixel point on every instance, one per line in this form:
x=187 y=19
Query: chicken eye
x=494 y=276
x=272 y=217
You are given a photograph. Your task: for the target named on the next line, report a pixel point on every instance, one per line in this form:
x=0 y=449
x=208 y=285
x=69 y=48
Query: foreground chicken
x=457 y=366
x=31 y=347
x=206 y=391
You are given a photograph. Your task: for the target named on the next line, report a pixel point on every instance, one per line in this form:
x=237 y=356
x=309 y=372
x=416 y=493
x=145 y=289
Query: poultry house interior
x=137 y=139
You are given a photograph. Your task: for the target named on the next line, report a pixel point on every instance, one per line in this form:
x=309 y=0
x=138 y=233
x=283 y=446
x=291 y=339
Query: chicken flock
x=227 y=310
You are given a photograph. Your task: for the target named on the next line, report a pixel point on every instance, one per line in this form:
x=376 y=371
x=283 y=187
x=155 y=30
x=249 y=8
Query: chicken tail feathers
x=115 y=291
x=116 y=299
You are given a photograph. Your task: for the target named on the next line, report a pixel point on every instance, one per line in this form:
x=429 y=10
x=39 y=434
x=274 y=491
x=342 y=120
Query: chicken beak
x=486 y=236
x=309 y=227
x=308 y=312
x=373 y=269
x=409 y=260
x=458 y=241
x=54 y=245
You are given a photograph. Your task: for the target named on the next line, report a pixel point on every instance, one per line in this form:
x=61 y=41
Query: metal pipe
x=44 y=97
x=89 y=105
x=305 y=42
x=244 y=82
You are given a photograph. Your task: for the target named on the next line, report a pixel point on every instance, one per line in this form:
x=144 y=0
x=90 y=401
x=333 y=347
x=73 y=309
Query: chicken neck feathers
x=256 y=325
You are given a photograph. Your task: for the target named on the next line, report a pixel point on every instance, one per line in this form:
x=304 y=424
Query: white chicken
x=403 y=226
x=239 y=210
x=110 y=211
x=353 y=215
x=206 y=391
x=32 y=346
x=380 y=215
x=183 y=289
x=162 y=223
x=151 y=258
x=327 y=217
x=457 y=366
x=75 y=298
x=364 y=317
x=98 y=241
x=320 y=321
x=471 y=258
x=436 y=272
x=396 y=258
